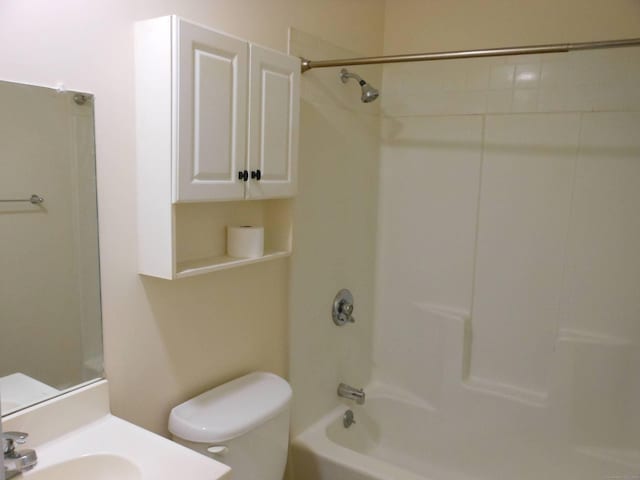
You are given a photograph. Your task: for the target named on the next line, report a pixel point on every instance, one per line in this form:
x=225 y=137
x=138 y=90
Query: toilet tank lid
x=231 y=409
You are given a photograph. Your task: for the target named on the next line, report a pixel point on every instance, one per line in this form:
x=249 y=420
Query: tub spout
x=347 y=391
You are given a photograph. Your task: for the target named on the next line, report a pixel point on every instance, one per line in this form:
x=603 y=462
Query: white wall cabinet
x=217 y=120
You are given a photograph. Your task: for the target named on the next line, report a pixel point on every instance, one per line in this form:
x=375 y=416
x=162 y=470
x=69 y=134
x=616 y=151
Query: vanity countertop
x=154 y=457
x=75 y=436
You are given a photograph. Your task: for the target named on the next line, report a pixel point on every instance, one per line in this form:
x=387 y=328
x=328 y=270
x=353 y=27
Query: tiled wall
x=579 y=81
x=510 y=193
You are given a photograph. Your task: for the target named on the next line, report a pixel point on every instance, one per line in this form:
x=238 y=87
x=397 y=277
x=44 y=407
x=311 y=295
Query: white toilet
x=243 y=423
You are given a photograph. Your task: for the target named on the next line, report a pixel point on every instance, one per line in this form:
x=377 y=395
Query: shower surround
x=519 y=219
x=507 y=306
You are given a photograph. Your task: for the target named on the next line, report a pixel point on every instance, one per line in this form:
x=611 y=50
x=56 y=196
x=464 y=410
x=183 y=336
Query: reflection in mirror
x=50 y=322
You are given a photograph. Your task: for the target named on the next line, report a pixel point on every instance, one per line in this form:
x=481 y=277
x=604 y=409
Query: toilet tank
x=243 y=424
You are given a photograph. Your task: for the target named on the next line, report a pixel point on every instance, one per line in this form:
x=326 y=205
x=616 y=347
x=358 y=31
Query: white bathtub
x=395 y=439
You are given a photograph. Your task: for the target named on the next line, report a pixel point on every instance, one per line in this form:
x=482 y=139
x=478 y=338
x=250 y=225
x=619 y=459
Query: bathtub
x=397 y=439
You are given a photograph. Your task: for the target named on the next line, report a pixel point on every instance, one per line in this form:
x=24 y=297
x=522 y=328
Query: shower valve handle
x=345 y=311
x=342 y=308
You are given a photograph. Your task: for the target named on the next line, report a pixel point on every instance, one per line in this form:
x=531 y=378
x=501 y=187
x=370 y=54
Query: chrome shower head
x=369 y=93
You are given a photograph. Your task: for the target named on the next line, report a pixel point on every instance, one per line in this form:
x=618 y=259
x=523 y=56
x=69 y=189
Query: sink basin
x=95 y=467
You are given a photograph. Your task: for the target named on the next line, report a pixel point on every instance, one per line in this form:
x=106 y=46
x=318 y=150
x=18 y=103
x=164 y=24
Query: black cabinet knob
x=243 y=175
x=257 y=174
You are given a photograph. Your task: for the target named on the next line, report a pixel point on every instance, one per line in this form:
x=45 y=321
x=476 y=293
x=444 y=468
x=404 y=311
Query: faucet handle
x=342 y=310
x=9 y=439
x=345 y=312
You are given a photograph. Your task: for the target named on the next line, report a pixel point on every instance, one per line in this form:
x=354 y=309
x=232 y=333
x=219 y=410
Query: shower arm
x=490 y=52
x=345 y=76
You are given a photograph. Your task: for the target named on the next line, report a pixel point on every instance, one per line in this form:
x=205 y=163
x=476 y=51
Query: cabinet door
x=211 y=93
x=274 y=110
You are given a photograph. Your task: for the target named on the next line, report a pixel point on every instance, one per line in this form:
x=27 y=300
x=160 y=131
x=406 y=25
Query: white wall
x=508 y=269
x=166 y=341
x=334 y=233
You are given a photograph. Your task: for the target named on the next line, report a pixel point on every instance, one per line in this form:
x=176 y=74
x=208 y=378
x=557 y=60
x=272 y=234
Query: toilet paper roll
x=245 y=241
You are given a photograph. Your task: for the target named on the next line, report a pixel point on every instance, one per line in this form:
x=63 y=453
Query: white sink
x=95 y=467
x=76 y=438
x=113 y=449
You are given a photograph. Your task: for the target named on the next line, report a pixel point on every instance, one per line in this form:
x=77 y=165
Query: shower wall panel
x=508 y=288
x=334 y=235
x=429 y=182
x=524 y=207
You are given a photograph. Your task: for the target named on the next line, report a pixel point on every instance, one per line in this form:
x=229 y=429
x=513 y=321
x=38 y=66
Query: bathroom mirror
x=50 y=315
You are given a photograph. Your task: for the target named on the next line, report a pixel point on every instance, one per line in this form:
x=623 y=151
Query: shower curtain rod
x=489 y=52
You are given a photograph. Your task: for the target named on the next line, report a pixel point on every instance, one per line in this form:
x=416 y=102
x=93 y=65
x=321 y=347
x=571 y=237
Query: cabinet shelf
x=222 y=262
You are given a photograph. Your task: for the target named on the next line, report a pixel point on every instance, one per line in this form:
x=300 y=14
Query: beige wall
x=165 y=341
x=433 y=25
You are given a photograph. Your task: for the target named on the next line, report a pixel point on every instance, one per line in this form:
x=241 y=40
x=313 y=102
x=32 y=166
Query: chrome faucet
x=347 y=391
x=16 y=462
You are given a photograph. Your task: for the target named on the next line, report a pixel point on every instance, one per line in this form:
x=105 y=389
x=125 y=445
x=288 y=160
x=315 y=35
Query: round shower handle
x=257 y=174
